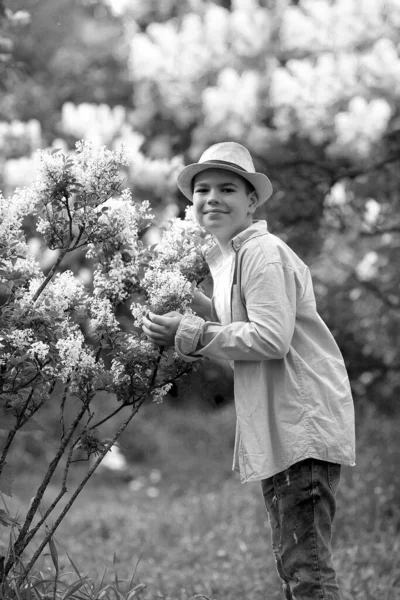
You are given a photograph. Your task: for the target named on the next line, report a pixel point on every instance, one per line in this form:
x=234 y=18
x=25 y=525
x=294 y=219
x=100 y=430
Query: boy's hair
x=249 y=188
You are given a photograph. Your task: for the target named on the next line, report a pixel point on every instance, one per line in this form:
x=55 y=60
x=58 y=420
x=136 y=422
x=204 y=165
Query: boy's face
x=222 y=203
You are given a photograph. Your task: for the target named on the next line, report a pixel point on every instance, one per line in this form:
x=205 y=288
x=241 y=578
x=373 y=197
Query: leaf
x=5 y=288
x=74 y=587
x=54 y=553
x=136 y=590
x=6 y=480
x=74 y=566
x=6 y=520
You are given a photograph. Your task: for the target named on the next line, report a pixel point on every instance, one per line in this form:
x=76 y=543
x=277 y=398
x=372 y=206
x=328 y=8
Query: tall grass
x=182 y=523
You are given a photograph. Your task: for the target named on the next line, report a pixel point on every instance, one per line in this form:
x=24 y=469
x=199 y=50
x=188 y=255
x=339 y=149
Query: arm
x=201 y=305
x=270 y=299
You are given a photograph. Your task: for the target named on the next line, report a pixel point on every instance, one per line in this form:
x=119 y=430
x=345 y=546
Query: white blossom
x=39 y=350
x=76 y=360
x=167 y=290
x=360 y=127
x=372 y=211
x=160 y=392
x=231 y=106
x=64 y=292
x=102 y=316
x=21 y=339
x=115 y=282
x=367 y=268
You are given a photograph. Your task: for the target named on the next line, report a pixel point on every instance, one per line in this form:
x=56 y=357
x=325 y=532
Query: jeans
x=301 y=506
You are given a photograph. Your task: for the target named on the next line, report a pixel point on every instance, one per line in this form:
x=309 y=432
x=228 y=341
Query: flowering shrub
x=263 y=74
x=57 y=330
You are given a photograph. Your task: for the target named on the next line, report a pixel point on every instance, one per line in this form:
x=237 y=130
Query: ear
x=253 y=202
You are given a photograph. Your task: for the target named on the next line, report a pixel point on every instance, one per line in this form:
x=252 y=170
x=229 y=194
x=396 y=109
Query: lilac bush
x=57 y=331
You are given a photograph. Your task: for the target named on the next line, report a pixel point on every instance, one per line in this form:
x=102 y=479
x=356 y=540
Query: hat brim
x=259 y=181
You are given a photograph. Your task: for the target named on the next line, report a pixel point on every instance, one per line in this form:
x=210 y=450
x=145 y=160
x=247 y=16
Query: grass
x=186 y=527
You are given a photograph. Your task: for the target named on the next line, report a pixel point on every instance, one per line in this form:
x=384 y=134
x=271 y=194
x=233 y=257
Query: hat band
x=224 y=162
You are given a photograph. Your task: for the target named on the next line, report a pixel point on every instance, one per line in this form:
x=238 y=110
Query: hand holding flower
x=162 y=329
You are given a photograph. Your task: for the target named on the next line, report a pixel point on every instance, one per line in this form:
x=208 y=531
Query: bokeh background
x=312 y=88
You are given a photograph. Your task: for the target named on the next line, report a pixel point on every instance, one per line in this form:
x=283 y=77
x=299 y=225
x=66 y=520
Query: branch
x=369 y=285
x=13 y=432
x=115 y=412
x=354 y=172
x=49 y=275
x=381 y=231
x=372 y=287
x=350 y=172
x=69 y=216
x=75 y=246
x=20 y=543
x=63 y=400
x=62 y=492
x=51 y=531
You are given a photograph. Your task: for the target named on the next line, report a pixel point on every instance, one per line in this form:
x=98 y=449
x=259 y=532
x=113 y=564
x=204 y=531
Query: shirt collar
x=254 y=230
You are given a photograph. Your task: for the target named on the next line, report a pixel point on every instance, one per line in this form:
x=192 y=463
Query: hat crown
x=229 y=152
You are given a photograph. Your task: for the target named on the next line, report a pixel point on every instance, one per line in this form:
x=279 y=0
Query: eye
x=228 y=190
x=200 y=190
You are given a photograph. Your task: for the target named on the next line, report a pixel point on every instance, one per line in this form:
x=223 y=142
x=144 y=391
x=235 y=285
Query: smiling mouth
x=211 y=212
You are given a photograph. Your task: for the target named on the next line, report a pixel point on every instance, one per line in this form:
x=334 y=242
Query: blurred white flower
x=367 y=268
x=98 y=123
x=114 y=460
x=360 y=127
x=232 y=104
x=30 y=132
x=18 y=172
x=380 y=67
x=337 y=195
x=372 y=211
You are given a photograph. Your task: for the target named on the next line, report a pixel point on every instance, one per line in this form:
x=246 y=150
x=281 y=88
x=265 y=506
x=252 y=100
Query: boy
x=295 y=416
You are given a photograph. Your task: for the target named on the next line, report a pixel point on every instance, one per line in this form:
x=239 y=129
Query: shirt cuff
x=188 y=335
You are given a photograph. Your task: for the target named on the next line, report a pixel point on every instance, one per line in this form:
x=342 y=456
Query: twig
x=13 y=432
x=78 y=490
x=63 y=400
x=62 y=493
x=115 y=412
x=20 y=543
x=49 y=275
x=368 y=285
x=381 y=231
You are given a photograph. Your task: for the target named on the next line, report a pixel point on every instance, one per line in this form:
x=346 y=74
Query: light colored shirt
x=222 y=272
x=292 y=394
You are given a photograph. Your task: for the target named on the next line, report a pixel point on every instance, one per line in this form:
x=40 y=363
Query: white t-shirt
x=221 y=274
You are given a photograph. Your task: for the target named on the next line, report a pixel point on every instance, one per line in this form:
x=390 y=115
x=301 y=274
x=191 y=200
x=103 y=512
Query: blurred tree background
x=312 y=87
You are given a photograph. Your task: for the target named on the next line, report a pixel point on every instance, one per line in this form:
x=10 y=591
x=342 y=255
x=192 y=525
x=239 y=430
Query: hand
x=201 y=304
x=162 y=329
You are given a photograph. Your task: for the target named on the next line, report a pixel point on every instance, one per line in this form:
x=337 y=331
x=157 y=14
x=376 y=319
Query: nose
x=212 y=196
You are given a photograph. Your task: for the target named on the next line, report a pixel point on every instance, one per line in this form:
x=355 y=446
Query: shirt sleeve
x=270 y=301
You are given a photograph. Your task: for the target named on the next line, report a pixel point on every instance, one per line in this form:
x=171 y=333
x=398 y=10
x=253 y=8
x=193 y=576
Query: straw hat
x=230 y=156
